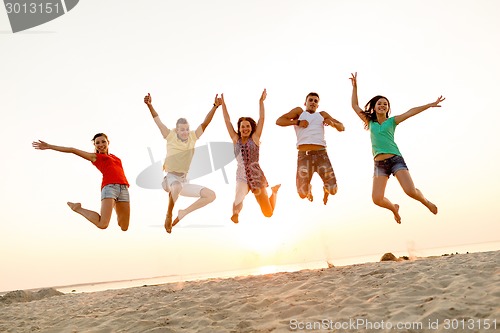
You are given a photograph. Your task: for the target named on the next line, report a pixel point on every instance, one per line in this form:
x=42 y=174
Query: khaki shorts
x=188 y=190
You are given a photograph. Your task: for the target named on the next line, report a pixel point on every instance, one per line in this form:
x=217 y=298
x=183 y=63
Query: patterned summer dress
x=249 y=171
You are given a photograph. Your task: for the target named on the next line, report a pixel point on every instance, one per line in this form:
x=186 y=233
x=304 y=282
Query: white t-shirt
x=314 y=133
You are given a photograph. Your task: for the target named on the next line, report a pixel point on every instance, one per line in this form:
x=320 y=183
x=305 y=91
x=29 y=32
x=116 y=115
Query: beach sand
x=455 y=293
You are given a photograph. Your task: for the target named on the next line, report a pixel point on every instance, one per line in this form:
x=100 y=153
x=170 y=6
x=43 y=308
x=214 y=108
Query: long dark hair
x=369 y=112
x=252 y=122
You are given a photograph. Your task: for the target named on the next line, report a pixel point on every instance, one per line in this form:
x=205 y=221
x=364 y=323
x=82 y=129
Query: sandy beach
x=455 y=293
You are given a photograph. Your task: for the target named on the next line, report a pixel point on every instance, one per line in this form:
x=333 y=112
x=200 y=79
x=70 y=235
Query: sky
x=89 y=70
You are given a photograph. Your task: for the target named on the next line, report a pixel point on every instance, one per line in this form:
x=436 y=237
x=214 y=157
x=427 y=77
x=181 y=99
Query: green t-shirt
x=382 y=136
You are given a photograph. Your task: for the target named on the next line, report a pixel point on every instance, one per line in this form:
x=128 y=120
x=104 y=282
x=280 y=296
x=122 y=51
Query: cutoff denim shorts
x=118 y=192
x=389 y=166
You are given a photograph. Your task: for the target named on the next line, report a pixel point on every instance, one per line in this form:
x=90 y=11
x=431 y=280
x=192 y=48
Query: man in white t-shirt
x=311 y=146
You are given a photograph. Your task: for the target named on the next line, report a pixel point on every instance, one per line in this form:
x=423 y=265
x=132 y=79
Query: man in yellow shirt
x=180 y=151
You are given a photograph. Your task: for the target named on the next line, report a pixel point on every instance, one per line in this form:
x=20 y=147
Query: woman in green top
x=387 y=158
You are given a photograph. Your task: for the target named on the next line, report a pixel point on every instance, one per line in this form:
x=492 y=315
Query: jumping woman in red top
x=114 y=188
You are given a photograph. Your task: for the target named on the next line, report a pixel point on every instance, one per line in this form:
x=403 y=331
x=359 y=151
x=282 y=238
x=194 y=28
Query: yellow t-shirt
x=179 y=153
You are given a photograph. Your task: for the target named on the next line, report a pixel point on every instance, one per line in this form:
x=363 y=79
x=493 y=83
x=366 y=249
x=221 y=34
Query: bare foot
x=334 y=190
x=168 y=223
x=74 y=206
x=180 y=216
x=432 y=207
x=325 y=195
x=396 y=214
x=309 y=195
x=275 y=188
x=234 y=218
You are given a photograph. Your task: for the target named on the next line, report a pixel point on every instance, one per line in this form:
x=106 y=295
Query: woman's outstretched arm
x=227 y=121
x=416 y=110
x=41 y=145
x=354 y=98
x=262 y=115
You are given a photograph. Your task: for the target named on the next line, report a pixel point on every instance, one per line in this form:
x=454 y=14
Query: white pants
x=241 y=192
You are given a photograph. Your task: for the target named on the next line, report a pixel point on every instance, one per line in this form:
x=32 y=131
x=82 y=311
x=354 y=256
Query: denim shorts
x=389 y=166
x=118 y=192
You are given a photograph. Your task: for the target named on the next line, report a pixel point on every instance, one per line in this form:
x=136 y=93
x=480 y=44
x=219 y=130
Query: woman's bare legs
x=100 y=221
x=272 y=198
x=406 y=182
x=122 y=209
x=266 y=203
x=378 y=191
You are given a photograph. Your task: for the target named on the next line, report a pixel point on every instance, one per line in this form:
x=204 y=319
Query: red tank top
x=111 y=169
